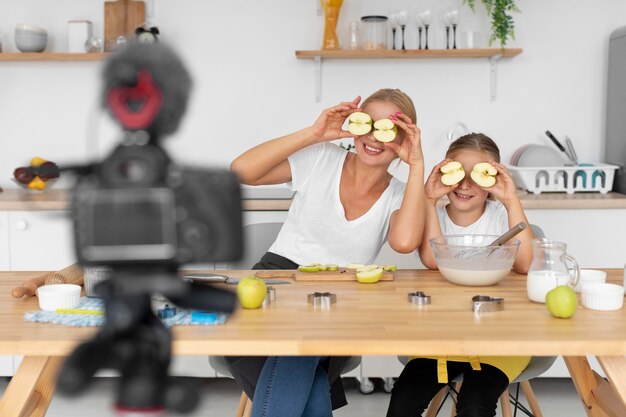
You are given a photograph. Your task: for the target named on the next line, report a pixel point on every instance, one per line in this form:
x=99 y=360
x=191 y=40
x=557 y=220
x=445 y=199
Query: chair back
x=537 y=231
x=257 y=238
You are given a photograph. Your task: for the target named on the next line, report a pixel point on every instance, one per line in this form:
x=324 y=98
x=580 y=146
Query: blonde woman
x=346 y=205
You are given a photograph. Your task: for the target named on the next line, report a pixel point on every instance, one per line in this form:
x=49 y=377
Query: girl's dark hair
x=475 y=142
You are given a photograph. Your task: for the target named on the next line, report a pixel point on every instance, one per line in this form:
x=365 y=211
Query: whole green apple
x=251 y=292
x=562 y=302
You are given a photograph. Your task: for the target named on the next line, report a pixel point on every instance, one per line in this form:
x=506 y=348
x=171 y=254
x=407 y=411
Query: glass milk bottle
x=549 y=269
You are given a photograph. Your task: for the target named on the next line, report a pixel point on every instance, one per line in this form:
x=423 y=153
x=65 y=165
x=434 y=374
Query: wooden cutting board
x=342 y=274
x=121 y=18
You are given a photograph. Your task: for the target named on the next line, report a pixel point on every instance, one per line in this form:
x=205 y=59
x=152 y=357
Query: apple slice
x=355 y=266
x=385 y=130
x=484 y=174
x=309 y=268
x=390 y=268
x=359 y=123
x=332 y=267
x=370 y=276
x=453 y=173
x=367 y=268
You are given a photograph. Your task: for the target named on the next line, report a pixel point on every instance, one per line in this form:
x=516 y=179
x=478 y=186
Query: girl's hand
x=410 y=149
x=504 y=188
x=434 y=188
x=328 y=125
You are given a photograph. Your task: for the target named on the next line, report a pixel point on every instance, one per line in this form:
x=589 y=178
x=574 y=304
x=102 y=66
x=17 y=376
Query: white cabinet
x=5 y=263
x=40 y=240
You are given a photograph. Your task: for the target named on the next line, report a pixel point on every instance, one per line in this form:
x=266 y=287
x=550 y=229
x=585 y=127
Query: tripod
x=135 y=342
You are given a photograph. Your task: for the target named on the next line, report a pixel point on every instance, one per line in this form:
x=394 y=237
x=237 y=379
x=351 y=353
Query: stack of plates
x=537 y=156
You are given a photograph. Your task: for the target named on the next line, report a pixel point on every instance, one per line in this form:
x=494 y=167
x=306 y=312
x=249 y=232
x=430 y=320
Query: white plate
x=540 y=156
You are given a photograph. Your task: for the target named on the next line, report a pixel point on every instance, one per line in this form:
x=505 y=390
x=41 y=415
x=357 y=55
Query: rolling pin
x=72 y=274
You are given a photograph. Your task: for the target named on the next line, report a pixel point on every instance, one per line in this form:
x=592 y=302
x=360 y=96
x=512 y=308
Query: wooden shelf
x=410 y=53
x=51 y=56
x=492 y=54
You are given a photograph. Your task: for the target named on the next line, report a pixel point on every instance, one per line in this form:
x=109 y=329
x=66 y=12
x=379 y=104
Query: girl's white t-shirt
x=494 y=221
x=316 y=229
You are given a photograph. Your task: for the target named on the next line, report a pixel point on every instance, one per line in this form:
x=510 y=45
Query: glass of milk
x=549 y=269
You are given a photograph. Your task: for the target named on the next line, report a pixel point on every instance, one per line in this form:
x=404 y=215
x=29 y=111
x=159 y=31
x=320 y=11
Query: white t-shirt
x=494 y=221
x=316 y=229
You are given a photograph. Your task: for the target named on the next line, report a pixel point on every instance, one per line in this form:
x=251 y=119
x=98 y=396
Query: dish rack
x=569 y=179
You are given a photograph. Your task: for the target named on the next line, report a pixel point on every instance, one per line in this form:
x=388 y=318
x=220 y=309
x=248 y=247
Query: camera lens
x=135 y=165
x=135 y=170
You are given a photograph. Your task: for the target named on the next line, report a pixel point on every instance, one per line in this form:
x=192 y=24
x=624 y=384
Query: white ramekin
x=56 y=296
x=605 y=297
x=590 y=276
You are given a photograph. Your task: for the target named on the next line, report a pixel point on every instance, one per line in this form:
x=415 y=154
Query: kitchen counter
x=21 y=200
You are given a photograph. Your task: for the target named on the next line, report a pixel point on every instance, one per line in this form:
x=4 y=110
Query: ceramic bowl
x=29 y=38
x=589 y=276
x=58 y=296
x=469 y=260
x=604 y=297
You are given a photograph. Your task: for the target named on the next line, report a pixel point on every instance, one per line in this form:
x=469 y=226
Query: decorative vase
x=331 y=16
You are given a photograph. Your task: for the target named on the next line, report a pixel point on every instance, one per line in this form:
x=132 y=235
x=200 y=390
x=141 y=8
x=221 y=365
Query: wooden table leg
x=615 y=370
x=31 y=388
x=597 y=395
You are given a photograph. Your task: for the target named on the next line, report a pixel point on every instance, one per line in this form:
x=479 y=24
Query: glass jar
x=549 y=269
x=374 y=32
x=354 y=35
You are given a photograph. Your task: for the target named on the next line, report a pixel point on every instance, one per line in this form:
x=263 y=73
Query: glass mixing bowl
x=470 y=260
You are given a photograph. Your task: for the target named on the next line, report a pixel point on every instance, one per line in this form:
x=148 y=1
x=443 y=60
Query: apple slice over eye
x=359 y=123
x=453 y=173
x=385 y=130
x=484 y=174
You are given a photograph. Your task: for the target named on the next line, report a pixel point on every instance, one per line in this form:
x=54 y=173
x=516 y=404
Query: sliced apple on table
x=369 y=275
x=331 y=267
x=309 y=268
x=390 y=268
x=359 y=123
x=355 y=266
x=484 y=174
x=385 y=130
x=453 y=173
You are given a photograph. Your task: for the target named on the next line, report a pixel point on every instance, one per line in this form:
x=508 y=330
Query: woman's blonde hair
x=395 y=96
x=475 y=142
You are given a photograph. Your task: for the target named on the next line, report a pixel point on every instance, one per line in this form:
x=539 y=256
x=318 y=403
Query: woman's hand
x=328 y=125
x=504 y=188
x=434 y=188
x=410 y=149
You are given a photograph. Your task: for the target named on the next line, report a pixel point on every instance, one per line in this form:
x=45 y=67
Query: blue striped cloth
x=182 y=317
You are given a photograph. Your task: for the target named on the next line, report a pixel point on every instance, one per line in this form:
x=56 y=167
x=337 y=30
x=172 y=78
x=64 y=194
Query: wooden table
x=368 y=319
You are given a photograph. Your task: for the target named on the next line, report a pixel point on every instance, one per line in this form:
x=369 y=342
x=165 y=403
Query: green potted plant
x=502 y=23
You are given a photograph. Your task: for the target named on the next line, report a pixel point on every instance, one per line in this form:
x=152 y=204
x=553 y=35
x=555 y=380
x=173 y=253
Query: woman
x=346 y=205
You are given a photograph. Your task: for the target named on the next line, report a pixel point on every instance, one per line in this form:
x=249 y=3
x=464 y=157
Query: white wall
x=250 y=87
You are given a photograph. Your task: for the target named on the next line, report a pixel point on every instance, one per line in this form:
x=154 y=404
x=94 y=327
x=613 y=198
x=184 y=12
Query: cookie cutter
x=486 y=303
x=270 y=297
x=322 y=299
x=419 y=298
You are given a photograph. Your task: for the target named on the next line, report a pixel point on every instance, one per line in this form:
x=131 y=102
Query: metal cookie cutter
x=322 y=299
x=270 y=298
x=419 y=298
x=486 y=303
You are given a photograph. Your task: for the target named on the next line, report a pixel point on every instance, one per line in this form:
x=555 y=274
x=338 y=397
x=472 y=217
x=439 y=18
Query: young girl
x=345 y=207
x=469 y=211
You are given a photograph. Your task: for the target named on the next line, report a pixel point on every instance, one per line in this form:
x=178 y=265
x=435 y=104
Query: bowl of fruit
x=38 y=176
